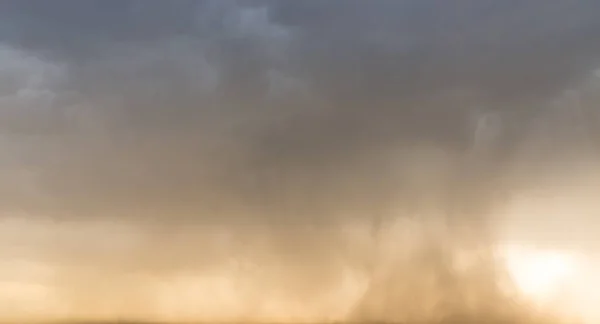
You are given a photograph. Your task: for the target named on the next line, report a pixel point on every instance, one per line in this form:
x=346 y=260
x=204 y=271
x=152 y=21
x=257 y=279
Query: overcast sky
x=276 y=125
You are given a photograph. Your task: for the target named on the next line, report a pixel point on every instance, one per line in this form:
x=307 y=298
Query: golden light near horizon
x=552 y=280
x=540 y=273
x=563 y=282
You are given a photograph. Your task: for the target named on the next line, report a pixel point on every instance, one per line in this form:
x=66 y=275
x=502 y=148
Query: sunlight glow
x=541 y=274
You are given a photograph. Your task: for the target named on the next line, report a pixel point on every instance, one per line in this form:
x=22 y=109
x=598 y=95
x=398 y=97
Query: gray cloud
x=278 y=119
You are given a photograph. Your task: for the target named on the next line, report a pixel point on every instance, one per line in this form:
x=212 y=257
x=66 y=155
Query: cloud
x=262 y=131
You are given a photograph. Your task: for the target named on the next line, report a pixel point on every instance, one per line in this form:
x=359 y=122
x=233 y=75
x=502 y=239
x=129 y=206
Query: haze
x=430 y=161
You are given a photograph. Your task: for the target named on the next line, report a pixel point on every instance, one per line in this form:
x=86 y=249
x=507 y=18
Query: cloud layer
x=267 y=131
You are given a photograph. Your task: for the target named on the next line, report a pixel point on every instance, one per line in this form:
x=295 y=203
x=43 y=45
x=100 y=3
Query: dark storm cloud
x=166 y=103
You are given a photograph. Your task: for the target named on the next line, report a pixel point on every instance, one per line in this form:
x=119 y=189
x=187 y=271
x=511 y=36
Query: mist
x=287 y=161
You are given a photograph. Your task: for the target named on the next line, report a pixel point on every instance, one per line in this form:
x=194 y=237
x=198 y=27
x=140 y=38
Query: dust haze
x=292 y=161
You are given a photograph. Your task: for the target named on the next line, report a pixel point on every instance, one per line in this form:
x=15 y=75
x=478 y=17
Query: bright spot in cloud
x=541 y=274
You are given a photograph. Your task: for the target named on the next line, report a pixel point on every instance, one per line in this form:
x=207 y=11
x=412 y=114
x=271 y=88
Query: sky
x=290 y=158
